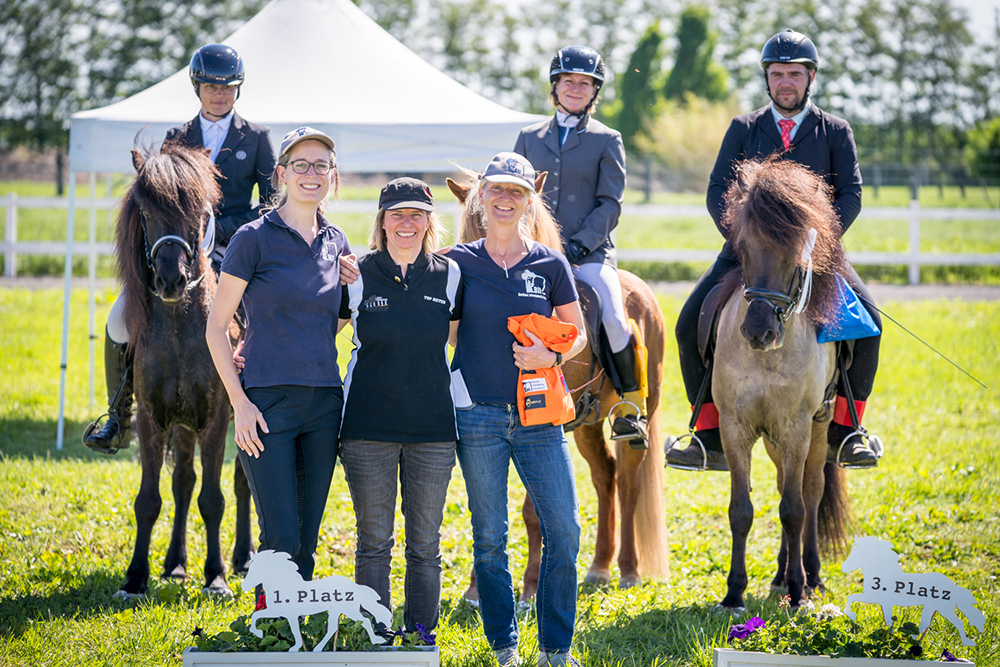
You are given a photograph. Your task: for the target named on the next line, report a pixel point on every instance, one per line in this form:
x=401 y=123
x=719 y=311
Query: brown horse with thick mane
x=623 y=477
x=771 y=376
x=169 y=286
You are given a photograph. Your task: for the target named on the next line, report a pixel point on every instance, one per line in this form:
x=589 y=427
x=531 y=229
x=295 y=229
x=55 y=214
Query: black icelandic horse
x=169 y=286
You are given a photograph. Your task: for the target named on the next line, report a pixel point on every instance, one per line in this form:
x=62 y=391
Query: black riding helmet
x=216 y=63
x=789 y=46
x=577 y=60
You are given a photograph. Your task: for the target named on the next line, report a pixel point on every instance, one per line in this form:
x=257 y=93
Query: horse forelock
x=774 y=203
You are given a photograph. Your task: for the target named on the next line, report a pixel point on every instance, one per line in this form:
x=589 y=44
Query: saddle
x=587 y=403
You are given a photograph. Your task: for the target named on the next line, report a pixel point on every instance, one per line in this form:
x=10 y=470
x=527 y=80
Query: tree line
x=907 y=74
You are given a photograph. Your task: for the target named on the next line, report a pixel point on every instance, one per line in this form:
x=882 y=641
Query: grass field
x=67 y=523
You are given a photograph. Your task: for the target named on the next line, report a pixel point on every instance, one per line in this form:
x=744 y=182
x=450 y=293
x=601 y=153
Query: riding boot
x=117 y=430
x=854 y=453
x=630 y=426
x=692 y=457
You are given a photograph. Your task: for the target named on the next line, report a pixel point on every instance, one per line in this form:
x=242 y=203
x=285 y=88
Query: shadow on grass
x=91 y=596
x=36 y=438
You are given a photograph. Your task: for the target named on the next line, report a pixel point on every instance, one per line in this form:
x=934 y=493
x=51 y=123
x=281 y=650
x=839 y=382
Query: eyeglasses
x=321 y=167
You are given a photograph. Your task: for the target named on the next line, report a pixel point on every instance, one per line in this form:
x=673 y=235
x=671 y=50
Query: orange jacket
x=542 y=394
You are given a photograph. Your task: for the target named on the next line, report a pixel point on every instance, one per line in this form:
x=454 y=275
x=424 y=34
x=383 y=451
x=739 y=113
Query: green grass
x=67 y=522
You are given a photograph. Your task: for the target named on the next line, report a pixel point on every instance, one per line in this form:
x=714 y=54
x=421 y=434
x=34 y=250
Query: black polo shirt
x=398 y=386
x=291 y=300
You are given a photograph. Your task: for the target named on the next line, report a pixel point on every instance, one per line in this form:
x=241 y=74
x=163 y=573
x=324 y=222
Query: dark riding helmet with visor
x=577 y=60
x=218 y=64
x=789 y=46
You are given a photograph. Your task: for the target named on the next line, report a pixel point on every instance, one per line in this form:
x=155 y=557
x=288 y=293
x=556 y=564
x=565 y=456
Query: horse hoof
x=732 y=611
x=122 y=594
x=178 y=573
x=630 y=581
x=218 y=588
x=598 y=577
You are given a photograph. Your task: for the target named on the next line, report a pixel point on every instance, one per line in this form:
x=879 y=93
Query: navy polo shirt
x=398 y=386
x=483 y=369
x=292 y=300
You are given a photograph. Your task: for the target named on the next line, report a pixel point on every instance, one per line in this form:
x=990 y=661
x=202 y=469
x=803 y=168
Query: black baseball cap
x=406 y=193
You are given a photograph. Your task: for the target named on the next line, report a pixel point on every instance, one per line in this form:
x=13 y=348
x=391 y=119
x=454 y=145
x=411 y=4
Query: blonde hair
x=281 y=190
x=432 y=237
x=537 y=223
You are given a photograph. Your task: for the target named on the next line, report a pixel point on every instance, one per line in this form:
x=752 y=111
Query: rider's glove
x=575 y=252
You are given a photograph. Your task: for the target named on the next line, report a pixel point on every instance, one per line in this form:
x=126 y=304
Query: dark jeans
x=424 y=471
x=861 y=374
x=290 y=481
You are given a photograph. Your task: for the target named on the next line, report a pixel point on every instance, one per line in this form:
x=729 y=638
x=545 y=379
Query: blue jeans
x=424 y=472
x=490 y=435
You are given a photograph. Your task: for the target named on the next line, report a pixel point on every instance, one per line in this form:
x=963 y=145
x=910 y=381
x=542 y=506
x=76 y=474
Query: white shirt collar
x=798 y=118
x=213 y=134
x=563 y=119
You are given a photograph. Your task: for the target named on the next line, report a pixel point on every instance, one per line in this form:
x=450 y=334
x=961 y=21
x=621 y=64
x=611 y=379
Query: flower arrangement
x=828 y=632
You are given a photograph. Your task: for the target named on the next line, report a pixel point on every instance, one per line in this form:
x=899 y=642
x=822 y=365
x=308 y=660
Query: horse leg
x=737 y=448
x=813 y=485
x=629 y=461
x=792 y=509
x=332 y=625
x=211 y=501
x=293 y=623
x=184 y=478
x=590 y=441
x=243 y=548
x=147 y=502
x=532 y=570
x=778 y=585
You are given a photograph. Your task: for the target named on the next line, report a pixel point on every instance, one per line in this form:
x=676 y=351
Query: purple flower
x=946 y=656
x=744 y=630
x=426 y=637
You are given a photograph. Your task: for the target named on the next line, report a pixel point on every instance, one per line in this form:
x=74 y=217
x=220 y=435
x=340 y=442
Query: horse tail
x=834 y=510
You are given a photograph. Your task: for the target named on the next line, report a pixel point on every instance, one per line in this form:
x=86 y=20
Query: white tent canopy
x=322 y=63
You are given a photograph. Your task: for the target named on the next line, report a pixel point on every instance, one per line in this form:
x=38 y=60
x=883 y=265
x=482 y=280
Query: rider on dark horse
x=242 y=152
x=585 y=161
x=800 y=131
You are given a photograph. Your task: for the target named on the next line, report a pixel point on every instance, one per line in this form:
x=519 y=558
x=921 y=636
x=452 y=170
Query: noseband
x=782 y=303
x=171 y=239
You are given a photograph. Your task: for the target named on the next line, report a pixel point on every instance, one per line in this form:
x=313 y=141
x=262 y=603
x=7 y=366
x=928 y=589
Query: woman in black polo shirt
x=399 y=418
x=285 y=268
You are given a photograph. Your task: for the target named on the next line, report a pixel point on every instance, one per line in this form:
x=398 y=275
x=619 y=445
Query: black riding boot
x=117 y=430
x=631 y=427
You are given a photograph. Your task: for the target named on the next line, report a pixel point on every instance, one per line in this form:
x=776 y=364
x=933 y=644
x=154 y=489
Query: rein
x=207 y=245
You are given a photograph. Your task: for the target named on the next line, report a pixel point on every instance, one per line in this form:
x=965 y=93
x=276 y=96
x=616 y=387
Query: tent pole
x=92 y=274
x=66 y=297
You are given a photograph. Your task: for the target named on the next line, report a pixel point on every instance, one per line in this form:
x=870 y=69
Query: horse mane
x=275 y=561
x=538 y=225
x=174 y=184
x=778 y=201
x=885 y=548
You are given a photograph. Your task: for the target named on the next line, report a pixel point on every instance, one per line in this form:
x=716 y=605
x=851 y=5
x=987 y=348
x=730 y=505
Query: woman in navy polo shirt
x=285 y=268
x=507 y=274
x=399 y=418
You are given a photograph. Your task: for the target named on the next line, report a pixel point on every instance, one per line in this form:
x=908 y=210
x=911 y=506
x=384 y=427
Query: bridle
x=207 y=245
x=785 y=303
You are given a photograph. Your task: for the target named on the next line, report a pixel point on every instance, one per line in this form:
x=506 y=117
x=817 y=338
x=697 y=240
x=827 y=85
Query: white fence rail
x=913 y=258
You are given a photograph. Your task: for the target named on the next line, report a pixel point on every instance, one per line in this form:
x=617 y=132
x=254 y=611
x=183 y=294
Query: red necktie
x=786 y=131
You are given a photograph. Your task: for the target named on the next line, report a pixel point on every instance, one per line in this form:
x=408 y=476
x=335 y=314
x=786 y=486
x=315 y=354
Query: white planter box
x=727 y=657
x=427 y=657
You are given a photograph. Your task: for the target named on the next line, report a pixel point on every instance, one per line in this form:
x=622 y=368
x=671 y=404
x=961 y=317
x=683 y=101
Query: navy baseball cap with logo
x=301 y=134
x=406 y=193
x=510 y=168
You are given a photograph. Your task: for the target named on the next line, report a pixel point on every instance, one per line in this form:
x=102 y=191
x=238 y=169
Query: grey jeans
x=424 y=471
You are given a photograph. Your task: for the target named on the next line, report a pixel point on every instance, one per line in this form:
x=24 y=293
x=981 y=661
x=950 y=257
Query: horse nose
x=172 y=287
x=761 y=341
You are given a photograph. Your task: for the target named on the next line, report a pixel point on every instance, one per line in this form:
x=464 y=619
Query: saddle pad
x=707 y=320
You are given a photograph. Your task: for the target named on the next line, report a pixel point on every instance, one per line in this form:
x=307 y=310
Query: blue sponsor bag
x=852 y=320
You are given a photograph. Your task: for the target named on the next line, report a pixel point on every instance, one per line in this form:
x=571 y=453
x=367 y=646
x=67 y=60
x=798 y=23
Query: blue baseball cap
x=301 y=134
x=510 y=168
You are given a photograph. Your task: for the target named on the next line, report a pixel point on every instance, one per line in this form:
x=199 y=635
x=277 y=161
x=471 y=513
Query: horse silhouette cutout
x=887 y=585
x=289 y=597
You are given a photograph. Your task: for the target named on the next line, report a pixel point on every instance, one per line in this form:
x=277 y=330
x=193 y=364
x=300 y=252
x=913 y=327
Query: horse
x=623 y=477
x=274 y=572
x=771 y=376
x=169 y=286
x=880 y=567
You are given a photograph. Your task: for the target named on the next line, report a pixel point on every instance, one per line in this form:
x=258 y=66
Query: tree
x=983 y=150
x=694 y=69
x=636 y=98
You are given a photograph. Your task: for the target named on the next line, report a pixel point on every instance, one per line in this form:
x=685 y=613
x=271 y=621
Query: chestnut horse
x=771 y=374
x=623 y=477
x=169 y=286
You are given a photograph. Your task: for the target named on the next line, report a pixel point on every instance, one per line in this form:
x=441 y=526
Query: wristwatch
x=558 y=360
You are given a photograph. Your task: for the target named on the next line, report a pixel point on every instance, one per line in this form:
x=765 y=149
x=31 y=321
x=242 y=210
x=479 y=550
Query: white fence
x=913 y=258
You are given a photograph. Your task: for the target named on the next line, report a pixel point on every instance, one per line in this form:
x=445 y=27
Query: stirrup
x=873 y=442
x=638 y=414
x=694 y=439
x=94 y=427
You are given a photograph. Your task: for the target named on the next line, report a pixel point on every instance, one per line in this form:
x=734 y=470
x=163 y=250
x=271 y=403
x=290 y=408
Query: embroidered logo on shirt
x=241 y=155
x=375 y=303
x=435 y=300
x=534 y=285
x=329 y=251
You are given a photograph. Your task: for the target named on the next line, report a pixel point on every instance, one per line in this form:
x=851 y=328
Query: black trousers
x=861 y=374
x=290 y=481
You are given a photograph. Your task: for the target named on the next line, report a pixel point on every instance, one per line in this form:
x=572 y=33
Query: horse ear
x=540 y=181
x=137 y=159
x=461 y=192
x=741 y=181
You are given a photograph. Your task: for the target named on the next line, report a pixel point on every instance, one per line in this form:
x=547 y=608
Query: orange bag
x=542 y=394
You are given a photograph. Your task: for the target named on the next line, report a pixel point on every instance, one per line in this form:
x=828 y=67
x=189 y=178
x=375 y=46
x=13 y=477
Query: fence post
x=914 y=272
x=10 y=257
